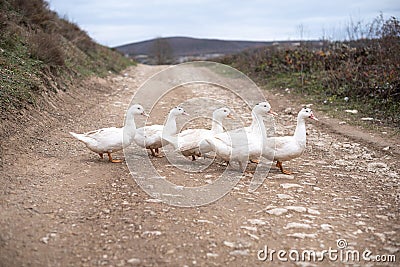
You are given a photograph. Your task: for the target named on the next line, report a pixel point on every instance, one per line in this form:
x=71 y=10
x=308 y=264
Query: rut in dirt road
x=63 y=206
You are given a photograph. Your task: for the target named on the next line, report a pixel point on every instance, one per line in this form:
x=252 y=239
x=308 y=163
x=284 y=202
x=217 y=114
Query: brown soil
x=63 y=206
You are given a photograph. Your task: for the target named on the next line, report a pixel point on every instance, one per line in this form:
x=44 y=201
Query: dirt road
x=63 y=206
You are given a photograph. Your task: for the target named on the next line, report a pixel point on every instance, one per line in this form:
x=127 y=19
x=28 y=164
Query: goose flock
x=240 y=145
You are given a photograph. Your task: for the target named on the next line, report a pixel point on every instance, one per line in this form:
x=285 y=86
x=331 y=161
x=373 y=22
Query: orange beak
x=312 y=117
x=272 y=113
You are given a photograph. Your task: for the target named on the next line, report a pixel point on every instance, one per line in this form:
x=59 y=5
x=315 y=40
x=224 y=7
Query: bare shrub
x=45 y=47
x=365 y=69
x=74 y=34
x=36 y=11
x=161 y=51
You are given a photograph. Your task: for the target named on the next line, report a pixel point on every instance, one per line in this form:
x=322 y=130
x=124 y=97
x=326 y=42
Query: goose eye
x=265 y=106
x=138 y=108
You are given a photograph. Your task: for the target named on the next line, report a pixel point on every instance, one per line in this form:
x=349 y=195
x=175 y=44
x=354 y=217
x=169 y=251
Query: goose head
x=177 y=111
x=306 y=113
x=262 y=109
x=137 y=109
x=222 y=113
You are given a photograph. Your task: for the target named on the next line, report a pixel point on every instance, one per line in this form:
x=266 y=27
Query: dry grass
x=365 y=72
x=46 y=47
x=40 y=51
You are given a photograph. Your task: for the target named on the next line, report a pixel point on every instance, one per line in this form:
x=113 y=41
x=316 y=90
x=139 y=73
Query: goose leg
x=113 y=160
x=101 y=155
x=157 y=154
x=241 y=167
x=279 y=165
x=193 y=157
x=152 y=152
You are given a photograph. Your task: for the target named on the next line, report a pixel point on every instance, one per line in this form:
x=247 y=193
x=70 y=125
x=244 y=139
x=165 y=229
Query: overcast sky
x=116 y=22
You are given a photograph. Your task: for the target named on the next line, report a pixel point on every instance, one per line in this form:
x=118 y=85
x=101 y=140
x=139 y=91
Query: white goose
x=150 y=136
x=288 y=147
x=190 y=140
x=245 y=143
x=109 y=140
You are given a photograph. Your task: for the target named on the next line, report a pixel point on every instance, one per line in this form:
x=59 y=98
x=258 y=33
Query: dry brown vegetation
x=362 y=74
x=40 y=51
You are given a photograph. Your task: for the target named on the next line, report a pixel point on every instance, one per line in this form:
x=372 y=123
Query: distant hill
x=185 y=48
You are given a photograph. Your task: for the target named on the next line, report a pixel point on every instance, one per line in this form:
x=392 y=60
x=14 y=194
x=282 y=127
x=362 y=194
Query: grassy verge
x=41 y=52
x=360 y=109
x=363 y=75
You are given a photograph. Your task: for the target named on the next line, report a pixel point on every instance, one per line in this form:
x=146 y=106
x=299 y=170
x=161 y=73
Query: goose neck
x=216 y=125
x=257 y=124
x=170 y=126
x=300 y=132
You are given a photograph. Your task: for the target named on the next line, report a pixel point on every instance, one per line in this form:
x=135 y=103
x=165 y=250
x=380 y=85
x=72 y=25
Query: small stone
x=283 y=196
x=204 y=221
x=357 y=232
x=134 y=261
x=341 y=162
x=376 y=166
x=256 y=221
x=382 y=217
x=313 y=211
x=229 y=244
x=282 y=176
x=253 y=236
x=250 y=228
x=303 y=235
x=326 y=227
x=391 y=250
x=153 y=200
x=237 y=245
x=45 y=239
x=277 y=211
x=381 y=236
x=244 y=252
x=151 y=233
x=297 y=225
x=287 y=186
x=352 y=111
x=296 y=208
